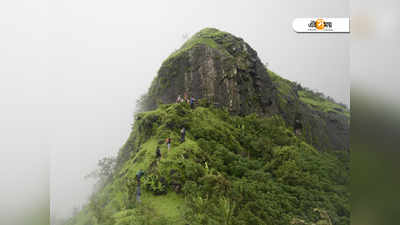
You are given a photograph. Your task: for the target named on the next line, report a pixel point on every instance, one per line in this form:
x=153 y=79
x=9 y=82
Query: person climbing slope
x=168 y=142
x=298 y=127
x=139 y=175
x=158 y=152
x=183 y=133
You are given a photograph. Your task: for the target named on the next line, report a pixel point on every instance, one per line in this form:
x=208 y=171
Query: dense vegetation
x=229 y=170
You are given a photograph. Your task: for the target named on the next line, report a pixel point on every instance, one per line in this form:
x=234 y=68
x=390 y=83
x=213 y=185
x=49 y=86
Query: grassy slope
x=256 y=166
x=314 y=100
x=321 y=103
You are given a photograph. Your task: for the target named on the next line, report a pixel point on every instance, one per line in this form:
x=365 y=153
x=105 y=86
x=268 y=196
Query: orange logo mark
x=320 y=24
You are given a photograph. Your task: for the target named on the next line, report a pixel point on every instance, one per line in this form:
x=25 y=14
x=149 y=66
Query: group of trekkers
x=140 y=173
x=190 y=100
x=297 y=127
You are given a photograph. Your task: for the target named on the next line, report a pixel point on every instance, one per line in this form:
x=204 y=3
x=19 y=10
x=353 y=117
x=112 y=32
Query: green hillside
x=229 y=170
x=259 y=149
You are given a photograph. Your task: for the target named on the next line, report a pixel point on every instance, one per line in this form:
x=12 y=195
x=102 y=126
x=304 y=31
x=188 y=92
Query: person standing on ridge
x=185 y=97
x=179 y=99
x=183 y=133
x=192 y=102
x=168 y=142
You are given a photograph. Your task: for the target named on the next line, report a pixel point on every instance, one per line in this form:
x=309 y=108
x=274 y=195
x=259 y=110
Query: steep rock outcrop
x=226 y=72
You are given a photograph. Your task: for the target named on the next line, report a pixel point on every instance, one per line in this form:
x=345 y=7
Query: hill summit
x=220 y=67
x=223 y=69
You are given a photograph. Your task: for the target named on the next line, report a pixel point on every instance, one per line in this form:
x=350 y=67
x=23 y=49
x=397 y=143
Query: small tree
x=105 y=170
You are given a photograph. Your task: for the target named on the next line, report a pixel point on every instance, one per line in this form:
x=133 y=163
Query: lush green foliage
x=316 y=100
x=230 y=170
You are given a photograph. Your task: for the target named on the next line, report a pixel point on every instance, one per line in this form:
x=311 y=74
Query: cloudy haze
x=72 y=70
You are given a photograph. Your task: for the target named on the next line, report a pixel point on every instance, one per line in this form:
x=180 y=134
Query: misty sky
x=71 y=72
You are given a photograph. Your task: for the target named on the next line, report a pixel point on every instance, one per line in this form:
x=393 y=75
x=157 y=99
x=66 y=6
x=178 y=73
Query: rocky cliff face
x=222 y=69
x=219 y=67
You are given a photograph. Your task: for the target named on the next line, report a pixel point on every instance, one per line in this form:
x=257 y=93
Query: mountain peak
x=216 y=66
x=223 y=70
x=213 y=38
